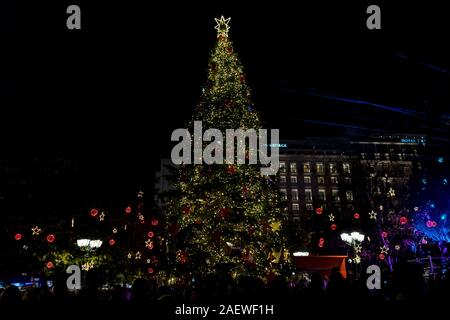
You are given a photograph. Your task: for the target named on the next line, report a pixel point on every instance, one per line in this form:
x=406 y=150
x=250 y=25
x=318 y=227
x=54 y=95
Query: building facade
x=336 y=178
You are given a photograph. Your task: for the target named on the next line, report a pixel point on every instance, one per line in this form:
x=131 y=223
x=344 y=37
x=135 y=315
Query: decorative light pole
x=354 y=240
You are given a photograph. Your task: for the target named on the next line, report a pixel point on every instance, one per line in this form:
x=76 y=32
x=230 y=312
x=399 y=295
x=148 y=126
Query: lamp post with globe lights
x=354 y=240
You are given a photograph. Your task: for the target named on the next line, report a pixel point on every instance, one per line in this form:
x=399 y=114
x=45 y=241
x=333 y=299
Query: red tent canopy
x=322 y=264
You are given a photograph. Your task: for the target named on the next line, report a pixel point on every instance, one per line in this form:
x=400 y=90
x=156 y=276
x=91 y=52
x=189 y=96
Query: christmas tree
x=225 y=216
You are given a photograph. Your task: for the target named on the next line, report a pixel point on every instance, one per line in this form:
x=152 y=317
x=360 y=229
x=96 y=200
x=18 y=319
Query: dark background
x=109 y=96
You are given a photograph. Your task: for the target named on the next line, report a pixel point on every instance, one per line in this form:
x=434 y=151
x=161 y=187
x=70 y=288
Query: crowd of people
x=405 y=284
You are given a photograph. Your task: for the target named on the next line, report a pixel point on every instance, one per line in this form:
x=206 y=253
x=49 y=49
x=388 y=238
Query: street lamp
x=88 y=244
x=352 y=238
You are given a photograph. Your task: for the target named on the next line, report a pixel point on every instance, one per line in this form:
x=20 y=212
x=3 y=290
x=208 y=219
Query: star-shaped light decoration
x=397 y=247
x=138 y=256
x=275 y=226
x=357 y=259
x=149 y=261
x=102 y=216
x=140 y=194
x=331 y=217
x=87 y=266
x=129 y=255
x=373 y=215
x=381 y=208
x=36 y=231
x=416 y=209
x=384 y=249
x=141 y=216
x=222 y=26
x=115 y=230
x=357 y=248
x=391 y=193
x=149 y=244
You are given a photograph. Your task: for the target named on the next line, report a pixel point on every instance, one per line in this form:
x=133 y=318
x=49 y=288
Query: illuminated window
x=295 y=207
x=306 y=167
x=322 y=196
x=349 y=195
x=309 y=207
x=284 y=194
x=282 y=179
x=319 y=168
x=320 y=180
x=348 y=180
x=308 y=195
x=346 y=167
x=333 y=168
x=334 y=180
x=307 y=179
x=293 y=167
x=335 y=194
x=282 y=166
x=294 y=194
x=293 y=179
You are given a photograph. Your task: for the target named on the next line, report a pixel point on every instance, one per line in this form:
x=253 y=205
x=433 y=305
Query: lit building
x=335 y=176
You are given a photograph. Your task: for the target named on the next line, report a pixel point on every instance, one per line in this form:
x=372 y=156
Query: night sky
x=110 y=95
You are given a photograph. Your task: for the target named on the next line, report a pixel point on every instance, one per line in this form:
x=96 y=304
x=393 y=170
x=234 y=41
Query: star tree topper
x=222 y=26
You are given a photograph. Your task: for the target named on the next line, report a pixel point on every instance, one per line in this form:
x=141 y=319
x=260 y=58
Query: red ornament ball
x=155 y=222
x=356 y=215
x=321 y=242
x=18 y=236
x=151 y=270
x=224 y=212
x=174 y=229
x=333 y=227
x=186 y=209
x=150 y=234
x=430 y=224
x=50 y=238
x=384 y=234
x=50 y=265
x=128 y=210
x=112 y=242
x=381 y=256
x=433 y=224
x=403 y=220
x=319 y=210
x=94 y=212
x=231 y=169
